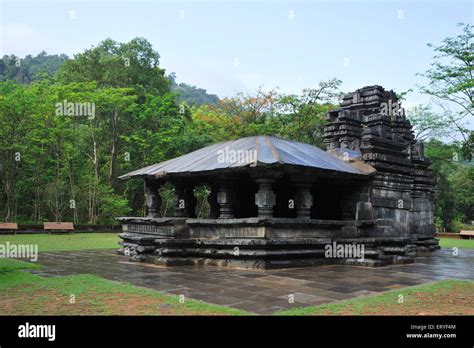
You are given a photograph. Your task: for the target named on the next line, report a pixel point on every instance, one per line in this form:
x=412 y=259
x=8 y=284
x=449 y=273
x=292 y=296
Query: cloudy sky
x=231 y=46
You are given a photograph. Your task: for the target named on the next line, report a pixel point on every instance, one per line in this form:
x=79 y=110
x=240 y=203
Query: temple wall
x=422 y=214
x=371 y=121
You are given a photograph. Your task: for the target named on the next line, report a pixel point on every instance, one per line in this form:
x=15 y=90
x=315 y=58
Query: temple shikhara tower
x=280 y=203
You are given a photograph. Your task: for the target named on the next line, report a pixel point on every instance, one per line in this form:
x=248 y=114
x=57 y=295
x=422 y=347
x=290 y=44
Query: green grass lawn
x=22 y=293
x=63 y=242
x=459 y=243
x=445 y=297
x=11 y=265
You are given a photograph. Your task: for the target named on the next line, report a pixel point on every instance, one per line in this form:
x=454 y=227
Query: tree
x=428 y=124
x=158 y=129
x=294 y=117
x=454 y=178
x=451 y=77
x=302 y=117
x=111 y=64
x=462 y=180
x=17 y=103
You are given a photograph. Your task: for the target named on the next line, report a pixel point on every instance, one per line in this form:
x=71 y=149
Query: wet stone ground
x=261 y=292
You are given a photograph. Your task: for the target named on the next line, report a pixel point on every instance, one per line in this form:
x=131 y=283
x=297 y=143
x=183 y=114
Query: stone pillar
x=265 y=199
x=364 y=211
x=303 y=201
x=181 y=201
x=225 y=201
x=151 y=199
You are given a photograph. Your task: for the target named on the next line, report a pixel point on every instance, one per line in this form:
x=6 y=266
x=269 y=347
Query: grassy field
x=446 y=297
x=10 y=265
x=64 y=242
x=459 y=243
x=22 y=293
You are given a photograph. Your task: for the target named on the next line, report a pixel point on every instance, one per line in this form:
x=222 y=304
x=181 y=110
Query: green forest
x=70 y=126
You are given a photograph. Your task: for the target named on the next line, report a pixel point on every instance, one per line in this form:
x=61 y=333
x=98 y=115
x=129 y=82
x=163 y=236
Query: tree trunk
x=113 y=151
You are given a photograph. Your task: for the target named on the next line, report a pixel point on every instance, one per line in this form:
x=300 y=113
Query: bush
x=203 y=207
x=167 y=195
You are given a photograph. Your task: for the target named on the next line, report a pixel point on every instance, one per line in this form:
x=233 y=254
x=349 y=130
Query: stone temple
x=279 y=203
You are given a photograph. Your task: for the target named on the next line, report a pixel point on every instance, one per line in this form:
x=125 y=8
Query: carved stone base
x=263 y=243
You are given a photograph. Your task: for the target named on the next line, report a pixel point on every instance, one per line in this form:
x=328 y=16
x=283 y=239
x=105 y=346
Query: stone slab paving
x=261 y=292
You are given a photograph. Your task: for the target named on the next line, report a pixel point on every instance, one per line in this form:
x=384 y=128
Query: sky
x=236 y=46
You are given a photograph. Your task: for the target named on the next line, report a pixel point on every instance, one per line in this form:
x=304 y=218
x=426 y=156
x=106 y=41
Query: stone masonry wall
x=371 y=121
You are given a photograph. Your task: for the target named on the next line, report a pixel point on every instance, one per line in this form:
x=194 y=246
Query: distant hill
x=29 y=69
x=191 y=94
x=194 y=95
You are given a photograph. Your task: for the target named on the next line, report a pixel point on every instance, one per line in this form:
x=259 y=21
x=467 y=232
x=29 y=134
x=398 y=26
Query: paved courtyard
x=261 y=291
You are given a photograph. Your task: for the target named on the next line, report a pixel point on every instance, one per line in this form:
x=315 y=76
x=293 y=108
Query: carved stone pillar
x=151 y=199
x=225 y=201
x=303 y=200
x=265 y=199
x=364 y=211
x=181 y=201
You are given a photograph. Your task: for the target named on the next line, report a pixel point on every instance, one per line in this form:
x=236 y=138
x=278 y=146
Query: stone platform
x=263 y=243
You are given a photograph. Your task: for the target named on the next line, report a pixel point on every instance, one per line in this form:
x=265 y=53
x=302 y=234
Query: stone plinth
x=257 y=242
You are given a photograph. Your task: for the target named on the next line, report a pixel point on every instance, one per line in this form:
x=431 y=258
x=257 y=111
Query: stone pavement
x=261 y=292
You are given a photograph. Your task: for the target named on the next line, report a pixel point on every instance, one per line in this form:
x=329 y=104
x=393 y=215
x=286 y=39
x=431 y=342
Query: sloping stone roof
x=255 y=151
